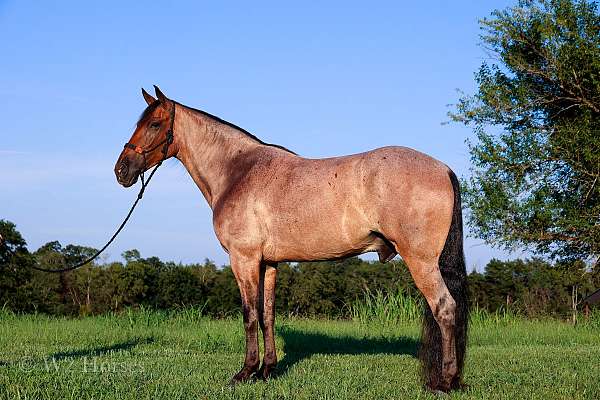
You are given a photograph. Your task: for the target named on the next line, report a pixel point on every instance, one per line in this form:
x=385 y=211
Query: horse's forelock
x=149 y=110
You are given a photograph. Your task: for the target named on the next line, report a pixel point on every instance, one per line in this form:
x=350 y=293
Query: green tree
x=131 y=255
x=530 y=287
x=535 y=179
x=15 y=273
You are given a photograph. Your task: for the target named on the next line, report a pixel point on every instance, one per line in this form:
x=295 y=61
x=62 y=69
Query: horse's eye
x=155 y=125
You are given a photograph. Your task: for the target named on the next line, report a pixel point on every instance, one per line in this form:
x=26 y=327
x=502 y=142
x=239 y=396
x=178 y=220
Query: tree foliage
x=535 y=179
x=533 y=288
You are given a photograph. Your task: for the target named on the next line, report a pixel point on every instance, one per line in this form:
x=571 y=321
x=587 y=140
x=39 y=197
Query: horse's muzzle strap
x=137 y=149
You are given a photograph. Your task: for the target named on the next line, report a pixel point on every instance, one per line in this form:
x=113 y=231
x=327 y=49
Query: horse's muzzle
x=126 y=173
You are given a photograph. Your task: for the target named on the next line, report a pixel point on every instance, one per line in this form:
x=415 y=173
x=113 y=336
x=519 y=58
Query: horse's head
x=146 y=148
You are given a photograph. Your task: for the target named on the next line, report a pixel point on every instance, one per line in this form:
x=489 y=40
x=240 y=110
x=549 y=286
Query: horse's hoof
x=234 y=382
x=240 y=377
x=265 y=372
x=458 y=384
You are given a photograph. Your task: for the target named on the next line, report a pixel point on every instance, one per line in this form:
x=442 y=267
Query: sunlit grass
x=145 y=354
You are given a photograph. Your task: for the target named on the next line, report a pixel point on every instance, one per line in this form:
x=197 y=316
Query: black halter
x=165 y=150
x=166 y=142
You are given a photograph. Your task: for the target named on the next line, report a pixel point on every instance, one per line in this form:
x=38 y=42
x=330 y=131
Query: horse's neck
x=208 y=149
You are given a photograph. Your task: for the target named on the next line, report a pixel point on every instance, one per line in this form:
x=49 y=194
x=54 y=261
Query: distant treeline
x=532 y=288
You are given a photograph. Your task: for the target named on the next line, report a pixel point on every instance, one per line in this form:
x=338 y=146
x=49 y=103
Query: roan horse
x=270 y=205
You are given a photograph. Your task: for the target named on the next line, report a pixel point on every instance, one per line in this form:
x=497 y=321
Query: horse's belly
x=317 y=247
x=326 y=231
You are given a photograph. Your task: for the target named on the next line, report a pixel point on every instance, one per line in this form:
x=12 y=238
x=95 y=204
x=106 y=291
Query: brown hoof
x=458 y=384
x=266 y=372
x=243 y=376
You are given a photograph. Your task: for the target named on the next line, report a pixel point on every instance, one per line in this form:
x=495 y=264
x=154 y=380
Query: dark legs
x=438 y=350
x=266 y=319
x=247 y=272
x=256 y=282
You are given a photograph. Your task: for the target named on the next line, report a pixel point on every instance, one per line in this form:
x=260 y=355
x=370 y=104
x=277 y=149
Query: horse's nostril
x=123 y=169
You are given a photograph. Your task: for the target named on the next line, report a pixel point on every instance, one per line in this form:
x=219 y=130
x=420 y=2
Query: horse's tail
x=453 y=270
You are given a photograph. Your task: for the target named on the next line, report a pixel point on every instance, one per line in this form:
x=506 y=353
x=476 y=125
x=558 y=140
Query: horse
x=271 y=205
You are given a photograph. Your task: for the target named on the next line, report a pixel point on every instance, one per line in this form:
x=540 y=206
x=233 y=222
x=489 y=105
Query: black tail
x=453 y=270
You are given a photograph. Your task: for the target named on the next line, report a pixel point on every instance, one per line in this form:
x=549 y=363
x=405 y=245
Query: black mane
x=245 y=132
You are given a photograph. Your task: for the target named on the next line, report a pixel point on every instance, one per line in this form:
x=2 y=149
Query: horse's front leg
x=268 y=275
x=247 y=272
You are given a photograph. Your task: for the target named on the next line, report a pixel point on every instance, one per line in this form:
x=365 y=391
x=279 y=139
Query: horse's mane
x=242 y=130
x=153 y=106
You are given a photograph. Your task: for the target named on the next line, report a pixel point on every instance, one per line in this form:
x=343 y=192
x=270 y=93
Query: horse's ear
x=148 y=97
x=163 y=99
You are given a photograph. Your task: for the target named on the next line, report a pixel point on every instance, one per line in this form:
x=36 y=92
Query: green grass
x=149 y=355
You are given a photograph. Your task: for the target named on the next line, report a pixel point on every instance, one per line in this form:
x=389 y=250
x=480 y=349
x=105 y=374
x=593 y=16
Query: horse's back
x=380 y=173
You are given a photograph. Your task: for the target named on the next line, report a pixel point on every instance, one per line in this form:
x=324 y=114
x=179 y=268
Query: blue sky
x=322 y=80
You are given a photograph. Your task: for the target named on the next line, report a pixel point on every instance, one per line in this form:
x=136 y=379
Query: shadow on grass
x=299 y=345
x=28 y=363
x=98 y=351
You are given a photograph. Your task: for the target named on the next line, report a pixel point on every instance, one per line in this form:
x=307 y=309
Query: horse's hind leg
x=247 y=272
x=266 y=318
x=439 y=373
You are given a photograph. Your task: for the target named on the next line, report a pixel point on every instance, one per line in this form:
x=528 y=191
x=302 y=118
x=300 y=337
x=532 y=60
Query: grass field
x=149 y=355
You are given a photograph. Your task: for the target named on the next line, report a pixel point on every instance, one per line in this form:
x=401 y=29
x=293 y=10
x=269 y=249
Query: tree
x=15 y=273
x=533 y=287
x=131 y=255
x=535 y=179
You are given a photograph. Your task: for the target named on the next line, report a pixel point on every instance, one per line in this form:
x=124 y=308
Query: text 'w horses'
x=270 y=205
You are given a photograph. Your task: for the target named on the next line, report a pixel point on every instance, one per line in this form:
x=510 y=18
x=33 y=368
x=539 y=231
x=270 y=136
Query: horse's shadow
x=98 y=351
x=79 y=353
x=300 y=345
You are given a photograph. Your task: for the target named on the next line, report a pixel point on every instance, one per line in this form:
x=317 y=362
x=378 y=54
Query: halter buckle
x=135 y=148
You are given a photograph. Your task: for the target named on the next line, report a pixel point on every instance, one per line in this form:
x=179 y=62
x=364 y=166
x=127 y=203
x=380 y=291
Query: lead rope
x=165 y=149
